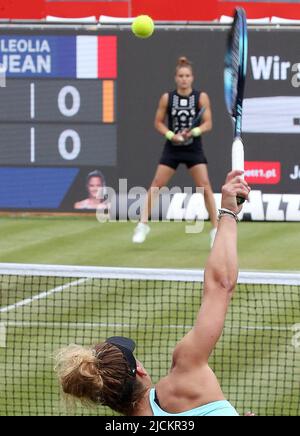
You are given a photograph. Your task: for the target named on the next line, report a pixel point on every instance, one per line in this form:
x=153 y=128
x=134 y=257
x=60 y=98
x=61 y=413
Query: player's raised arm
x=219 y=282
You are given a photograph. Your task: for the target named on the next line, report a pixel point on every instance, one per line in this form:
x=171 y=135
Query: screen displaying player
x=96 y=190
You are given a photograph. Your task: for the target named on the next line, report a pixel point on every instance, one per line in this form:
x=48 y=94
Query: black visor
x=127 y=347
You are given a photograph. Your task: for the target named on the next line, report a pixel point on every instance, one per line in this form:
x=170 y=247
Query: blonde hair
x=98 y=375
x=184 y=62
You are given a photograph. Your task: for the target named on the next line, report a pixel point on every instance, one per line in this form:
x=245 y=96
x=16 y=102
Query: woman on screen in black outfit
x=182 y=146
x=109 y=374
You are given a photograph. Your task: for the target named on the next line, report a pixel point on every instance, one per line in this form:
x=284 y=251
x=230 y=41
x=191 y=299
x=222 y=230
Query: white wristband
x=170 y=135
x=196 y=131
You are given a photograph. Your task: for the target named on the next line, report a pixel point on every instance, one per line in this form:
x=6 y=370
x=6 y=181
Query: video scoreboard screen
x=57 y=114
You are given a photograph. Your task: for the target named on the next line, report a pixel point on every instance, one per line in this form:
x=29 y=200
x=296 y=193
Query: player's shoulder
x=169 y=93
x=203 y=94
x=164 y=99
x=203 y=98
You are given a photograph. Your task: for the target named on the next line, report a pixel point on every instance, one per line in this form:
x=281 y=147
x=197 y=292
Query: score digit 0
x=62 y=144
x=69 y=112
x=75 y=106
x=69 y=134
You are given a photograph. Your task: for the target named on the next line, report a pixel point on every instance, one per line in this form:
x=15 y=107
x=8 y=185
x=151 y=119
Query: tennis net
x=43 y=308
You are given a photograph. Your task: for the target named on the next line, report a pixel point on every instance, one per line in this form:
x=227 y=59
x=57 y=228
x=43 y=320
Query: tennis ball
x=143 y=26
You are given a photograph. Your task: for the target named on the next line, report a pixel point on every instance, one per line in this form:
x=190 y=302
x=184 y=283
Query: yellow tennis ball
x=143 y=26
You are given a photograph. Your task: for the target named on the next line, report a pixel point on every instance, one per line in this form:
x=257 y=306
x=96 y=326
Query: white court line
x=41 y=296
x=84 y=325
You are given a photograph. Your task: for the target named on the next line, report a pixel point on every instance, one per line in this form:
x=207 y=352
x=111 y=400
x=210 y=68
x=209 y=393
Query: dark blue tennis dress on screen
x=216 y=408
x=181 y=111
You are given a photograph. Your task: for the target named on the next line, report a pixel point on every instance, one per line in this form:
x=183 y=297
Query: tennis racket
x=234 y=82
x=197 y=119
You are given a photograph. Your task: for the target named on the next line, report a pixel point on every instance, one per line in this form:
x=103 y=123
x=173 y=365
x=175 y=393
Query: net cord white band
x=180 y=275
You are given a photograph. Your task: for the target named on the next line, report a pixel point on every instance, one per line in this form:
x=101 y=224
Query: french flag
x=96 y=57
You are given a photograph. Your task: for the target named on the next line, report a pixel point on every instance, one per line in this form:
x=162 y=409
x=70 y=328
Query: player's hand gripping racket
x=234 y=83
x=196 y=121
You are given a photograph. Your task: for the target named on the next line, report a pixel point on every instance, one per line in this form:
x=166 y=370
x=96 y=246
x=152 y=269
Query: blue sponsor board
x=38 y=56
x=34 y=188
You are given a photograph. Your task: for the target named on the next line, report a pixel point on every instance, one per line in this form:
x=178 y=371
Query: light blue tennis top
x=216 y=408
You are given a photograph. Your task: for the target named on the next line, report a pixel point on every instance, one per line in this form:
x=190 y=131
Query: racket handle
x=240 y=200
x=237 y=155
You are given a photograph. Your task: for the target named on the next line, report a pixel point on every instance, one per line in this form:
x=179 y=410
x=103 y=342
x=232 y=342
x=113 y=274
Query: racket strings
x=235 y=65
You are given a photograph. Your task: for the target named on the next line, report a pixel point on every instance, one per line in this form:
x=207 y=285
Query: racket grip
x=238 y=155
x=238 y=161
x=240 y=200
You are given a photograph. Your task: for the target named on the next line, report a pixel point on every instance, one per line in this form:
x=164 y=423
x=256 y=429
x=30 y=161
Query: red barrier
x=19 y=9
x=86 y=9
x=192 y=10
x=260 y=10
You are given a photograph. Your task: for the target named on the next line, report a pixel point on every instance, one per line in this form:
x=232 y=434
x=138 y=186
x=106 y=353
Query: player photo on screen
x=96 y=193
